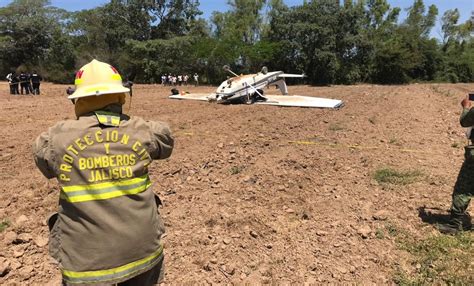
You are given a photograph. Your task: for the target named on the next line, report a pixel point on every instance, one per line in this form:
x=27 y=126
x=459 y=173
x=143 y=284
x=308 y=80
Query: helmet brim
x=97 y=90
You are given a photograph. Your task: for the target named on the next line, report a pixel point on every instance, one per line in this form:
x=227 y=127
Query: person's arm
x=43 y=155
x=467 y=115
x=162 y=141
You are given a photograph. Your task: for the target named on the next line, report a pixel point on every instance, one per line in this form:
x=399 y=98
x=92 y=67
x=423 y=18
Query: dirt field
x=262 y=194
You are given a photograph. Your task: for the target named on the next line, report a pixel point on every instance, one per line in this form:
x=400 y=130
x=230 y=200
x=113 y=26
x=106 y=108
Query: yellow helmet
x=97 y=78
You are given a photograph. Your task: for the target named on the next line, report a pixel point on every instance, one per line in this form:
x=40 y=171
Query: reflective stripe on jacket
x=113 y=274
x=108 y=228
x=105 y=191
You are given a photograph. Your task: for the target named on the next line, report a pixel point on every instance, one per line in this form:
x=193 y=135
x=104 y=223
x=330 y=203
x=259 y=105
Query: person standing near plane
x=14 y=84
x=196 y=79
x=9 y=78
x=28 y=83
x=24 y=83
x=36 y=81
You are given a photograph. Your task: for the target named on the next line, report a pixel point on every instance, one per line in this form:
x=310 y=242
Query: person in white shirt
x=196 y=79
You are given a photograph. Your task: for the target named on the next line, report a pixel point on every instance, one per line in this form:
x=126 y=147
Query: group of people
x=175 y=80
x=24 y=83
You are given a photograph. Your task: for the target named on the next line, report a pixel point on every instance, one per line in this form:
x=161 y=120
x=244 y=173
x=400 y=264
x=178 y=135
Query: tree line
x=331 y=42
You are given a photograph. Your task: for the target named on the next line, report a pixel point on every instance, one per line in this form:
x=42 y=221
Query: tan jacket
x=108 y=228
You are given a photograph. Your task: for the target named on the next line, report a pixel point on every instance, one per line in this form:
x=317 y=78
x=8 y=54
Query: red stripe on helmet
x=79 y=74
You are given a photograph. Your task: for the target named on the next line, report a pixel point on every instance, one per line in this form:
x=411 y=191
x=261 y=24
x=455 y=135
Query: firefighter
x=108 y=229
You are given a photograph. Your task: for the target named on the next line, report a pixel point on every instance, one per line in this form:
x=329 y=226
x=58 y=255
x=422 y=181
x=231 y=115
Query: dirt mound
x=261 y=193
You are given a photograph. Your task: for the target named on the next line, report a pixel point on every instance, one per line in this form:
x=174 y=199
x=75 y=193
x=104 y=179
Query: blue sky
x=207 y=6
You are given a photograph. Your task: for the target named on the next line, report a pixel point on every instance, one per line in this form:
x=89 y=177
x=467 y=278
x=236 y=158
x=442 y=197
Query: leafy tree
x=174 y=17
x=160 y=56
x=419 y=55
x=457 y=49
x=324 y=40
x=114 y=30
x=238 y=33
x=386 y=56
x=352 y=47
x=331 y=41
x=307 y=35
x=417 y=23
x=102 y=32
x=449 y=28
x=27 y=31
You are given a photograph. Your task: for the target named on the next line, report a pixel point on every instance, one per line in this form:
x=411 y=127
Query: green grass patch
x=379 y=234
x=389 y=231
x=439 y=260
x=391 y=176
x=395 y=141
x=336 y=127
x=4 y=224
x=441 y=91
x=234 y=170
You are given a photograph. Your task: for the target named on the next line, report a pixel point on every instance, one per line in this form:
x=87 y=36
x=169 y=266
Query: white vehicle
x=249 y=89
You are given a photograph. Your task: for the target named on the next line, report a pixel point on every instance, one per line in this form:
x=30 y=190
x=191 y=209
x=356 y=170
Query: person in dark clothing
x=464 y=187
x=36 y=81
x=28 y=83
x=14 y=84
x=24 y=83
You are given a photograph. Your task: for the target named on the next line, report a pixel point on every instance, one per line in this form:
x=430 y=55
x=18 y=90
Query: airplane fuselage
x=241 y=87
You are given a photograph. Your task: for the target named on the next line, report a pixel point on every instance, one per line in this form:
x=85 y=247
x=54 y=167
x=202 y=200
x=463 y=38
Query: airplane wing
x=301 y=101
x=276 y=100
x=191 y=96
x=291 y=75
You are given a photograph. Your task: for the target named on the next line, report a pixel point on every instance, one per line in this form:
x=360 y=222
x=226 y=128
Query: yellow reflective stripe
x=113 y=273
x=108 y=118
x=104 y=191
x=115 y=120
x=106 y=196
x=78 y=81
x=116 y=77
x=102 y=118
x=93 y=187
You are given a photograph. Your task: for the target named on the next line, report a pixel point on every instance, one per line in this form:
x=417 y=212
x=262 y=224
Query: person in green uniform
x=464 y=187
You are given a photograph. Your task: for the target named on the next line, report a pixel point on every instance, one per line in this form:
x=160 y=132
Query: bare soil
x=259 y=194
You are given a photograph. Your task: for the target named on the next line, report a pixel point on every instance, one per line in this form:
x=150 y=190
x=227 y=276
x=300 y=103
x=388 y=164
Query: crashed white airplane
x=249 y=89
